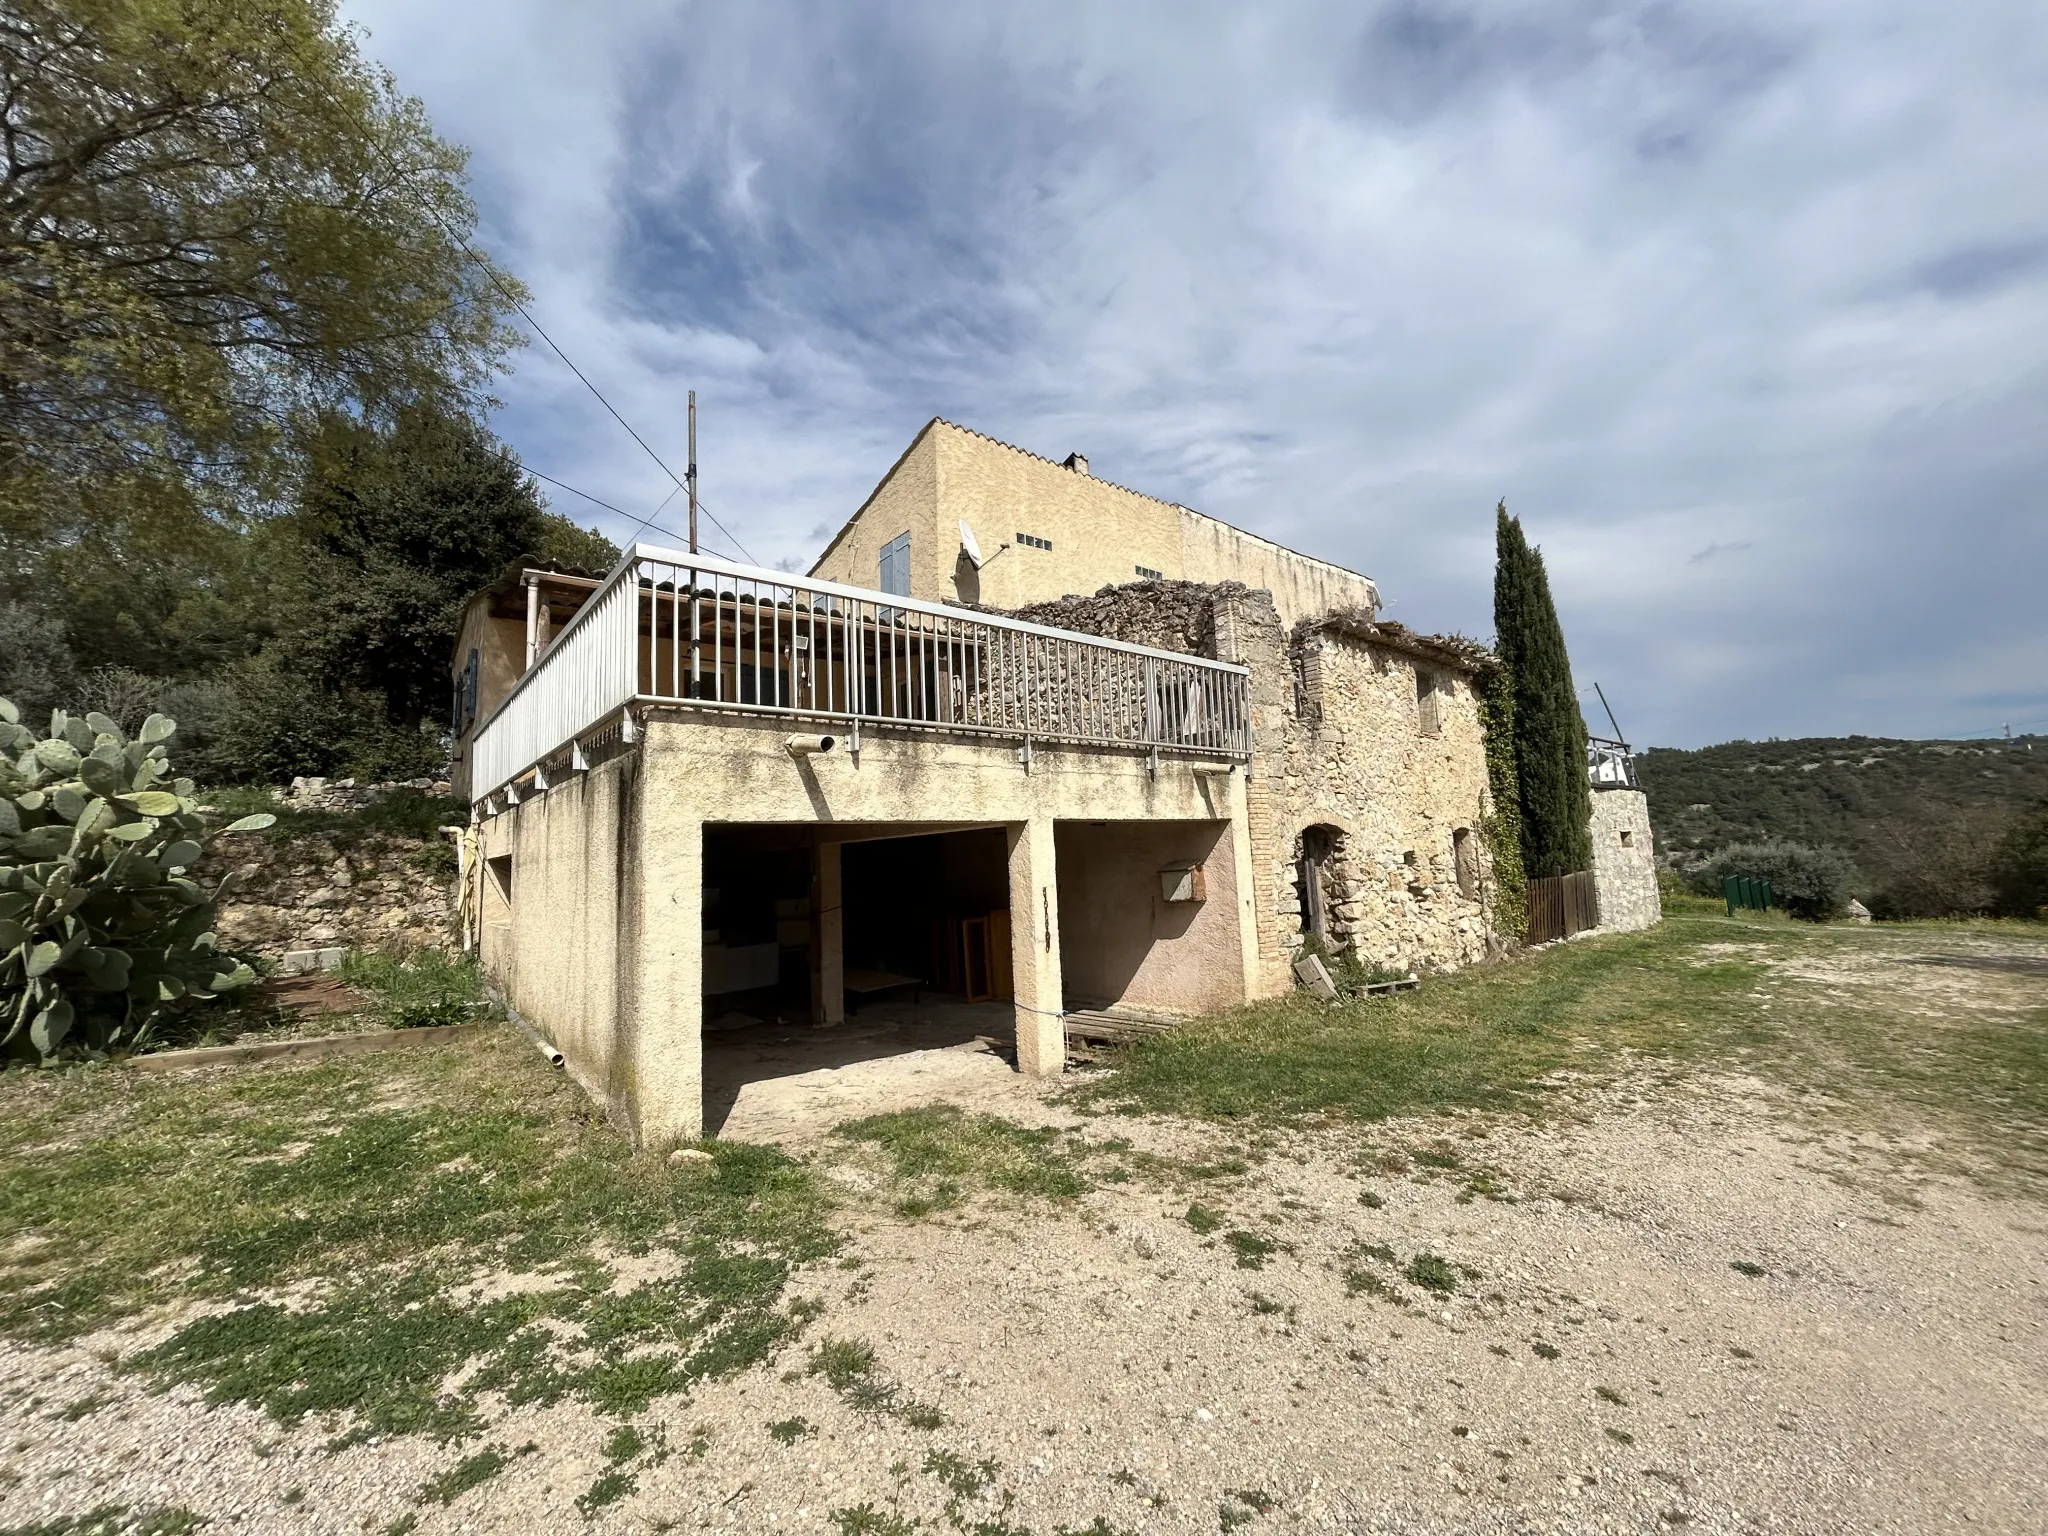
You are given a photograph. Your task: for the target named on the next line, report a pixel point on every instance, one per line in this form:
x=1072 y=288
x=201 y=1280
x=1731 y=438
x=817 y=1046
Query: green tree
x=2019 y=867
x=395 y=528
x=1502 y=826
x=1549 y=732
x=216 y=219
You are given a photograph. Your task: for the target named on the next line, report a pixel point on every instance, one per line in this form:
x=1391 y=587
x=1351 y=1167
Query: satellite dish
x=967 y=543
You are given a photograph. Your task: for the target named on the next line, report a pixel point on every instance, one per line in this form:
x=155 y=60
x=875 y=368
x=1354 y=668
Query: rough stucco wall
x=1301 y=587
x=1122 y=942
x=601 y=948
x=1625 y=874
x=906 y=501
x=1099 y=532
x=561 y=952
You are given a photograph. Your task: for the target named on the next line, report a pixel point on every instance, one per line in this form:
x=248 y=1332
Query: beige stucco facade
x=1099 y=533
x=1348 y=816
x=600 y=944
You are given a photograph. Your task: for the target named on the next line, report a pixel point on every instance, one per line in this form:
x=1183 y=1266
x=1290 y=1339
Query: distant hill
x=1901 y=809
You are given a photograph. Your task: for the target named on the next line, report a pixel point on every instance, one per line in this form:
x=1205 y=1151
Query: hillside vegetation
x=1918 y=817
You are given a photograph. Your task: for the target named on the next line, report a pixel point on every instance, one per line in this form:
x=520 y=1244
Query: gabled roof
x=940 y=421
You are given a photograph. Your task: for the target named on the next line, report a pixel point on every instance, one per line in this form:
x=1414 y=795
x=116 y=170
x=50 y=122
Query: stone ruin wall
x=1166 y=615
x=348 y=889
x=1337 y=742
x=1353 y=755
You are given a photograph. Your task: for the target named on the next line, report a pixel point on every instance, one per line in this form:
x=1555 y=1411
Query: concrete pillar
x=828 y=976
x=1035 y=948
x=667 y=1008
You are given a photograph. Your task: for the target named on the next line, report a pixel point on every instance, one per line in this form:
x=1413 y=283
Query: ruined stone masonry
x=1368 y=775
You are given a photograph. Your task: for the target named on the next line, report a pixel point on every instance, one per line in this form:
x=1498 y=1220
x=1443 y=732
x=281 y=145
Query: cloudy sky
x=1743 y=307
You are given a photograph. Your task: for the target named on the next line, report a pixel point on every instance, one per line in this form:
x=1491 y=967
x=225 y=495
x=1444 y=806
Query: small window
x=501 y=874
x=1628 y=839
x=1149 y=574
x=1426 y=702
x=895 y=563
x=1033 y=541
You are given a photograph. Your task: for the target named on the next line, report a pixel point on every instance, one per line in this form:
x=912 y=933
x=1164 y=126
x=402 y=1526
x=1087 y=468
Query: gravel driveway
x=1662 y=1310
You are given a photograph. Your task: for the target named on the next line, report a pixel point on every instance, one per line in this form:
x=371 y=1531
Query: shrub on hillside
x=103 y=929
x=1809 y=883
x=2019 y=866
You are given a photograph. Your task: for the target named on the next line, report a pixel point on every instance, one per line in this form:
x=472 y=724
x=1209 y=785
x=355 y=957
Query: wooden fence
x=1563 y=906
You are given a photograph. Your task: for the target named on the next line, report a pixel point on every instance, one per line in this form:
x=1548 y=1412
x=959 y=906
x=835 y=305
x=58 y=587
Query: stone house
x=1103 y=754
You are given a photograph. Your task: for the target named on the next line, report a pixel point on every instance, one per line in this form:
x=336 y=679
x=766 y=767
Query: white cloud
x=1740 y=308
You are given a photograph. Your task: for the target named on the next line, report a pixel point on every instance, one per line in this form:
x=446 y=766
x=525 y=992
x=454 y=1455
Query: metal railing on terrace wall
x=696 y=632
x=1611 y=764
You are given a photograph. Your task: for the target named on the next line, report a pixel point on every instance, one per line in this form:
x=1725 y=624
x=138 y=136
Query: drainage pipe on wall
x=555 y=1057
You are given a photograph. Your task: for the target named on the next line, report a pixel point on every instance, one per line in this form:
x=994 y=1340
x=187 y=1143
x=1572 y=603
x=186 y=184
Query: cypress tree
x=1549 y=732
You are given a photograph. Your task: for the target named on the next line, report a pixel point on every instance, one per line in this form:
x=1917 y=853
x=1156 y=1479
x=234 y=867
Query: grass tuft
x=935 y=1154
x=1433 y=1274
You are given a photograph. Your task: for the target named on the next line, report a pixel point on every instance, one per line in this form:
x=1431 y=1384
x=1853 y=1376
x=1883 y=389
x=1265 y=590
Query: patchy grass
x=470 y=1472
x=404 y=813
x=1251 y=1249
x=851 y=1370
x=934 y=1157
x=1837 y=1014
x=390 y=1198
x=417 y=990
x=115 y=1520
x=866 y=1520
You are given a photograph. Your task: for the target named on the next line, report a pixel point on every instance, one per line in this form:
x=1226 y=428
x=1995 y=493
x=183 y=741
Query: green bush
x=1811 y=884
x=102 y=927
x=2019 y=866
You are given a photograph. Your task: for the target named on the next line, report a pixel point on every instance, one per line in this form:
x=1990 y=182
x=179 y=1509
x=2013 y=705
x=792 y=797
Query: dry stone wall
x=348 y=888
x=1355 y=753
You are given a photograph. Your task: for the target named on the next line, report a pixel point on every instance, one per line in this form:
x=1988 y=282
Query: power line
x=527 y=315
x=622 y=512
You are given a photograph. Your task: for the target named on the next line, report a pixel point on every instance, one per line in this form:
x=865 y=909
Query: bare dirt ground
x=1668 y=1306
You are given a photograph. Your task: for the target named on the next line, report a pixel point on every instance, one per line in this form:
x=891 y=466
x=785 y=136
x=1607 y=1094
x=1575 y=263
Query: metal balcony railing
x=699 y=633
x=1610 y=764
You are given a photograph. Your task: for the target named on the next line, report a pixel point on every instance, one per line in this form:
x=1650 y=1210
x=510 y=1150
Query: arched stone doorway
x=1323 y=887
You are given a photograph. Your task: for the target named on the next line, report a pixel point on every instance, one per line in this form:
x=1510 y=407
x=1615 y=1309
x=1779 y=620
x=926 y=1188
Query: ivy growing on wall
x=1501 y=826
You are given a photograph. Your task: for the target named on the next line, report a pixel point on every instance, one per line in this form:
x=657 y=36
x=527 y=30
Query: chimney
x=1077 y=462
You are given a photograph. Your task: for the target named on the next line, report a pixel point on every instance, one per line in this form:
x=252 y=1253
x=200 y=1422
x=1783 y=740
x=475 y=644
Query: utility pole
x=690 y=474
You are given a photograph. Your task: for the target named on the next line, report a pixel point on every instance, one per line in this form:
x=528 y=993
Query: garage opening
x=928 y=914
x=834 y=946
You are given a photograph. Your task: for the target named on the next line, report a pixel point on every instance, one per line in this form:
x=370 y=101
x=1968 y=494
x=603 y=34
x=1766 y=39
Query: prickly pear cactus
x=102 y=926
